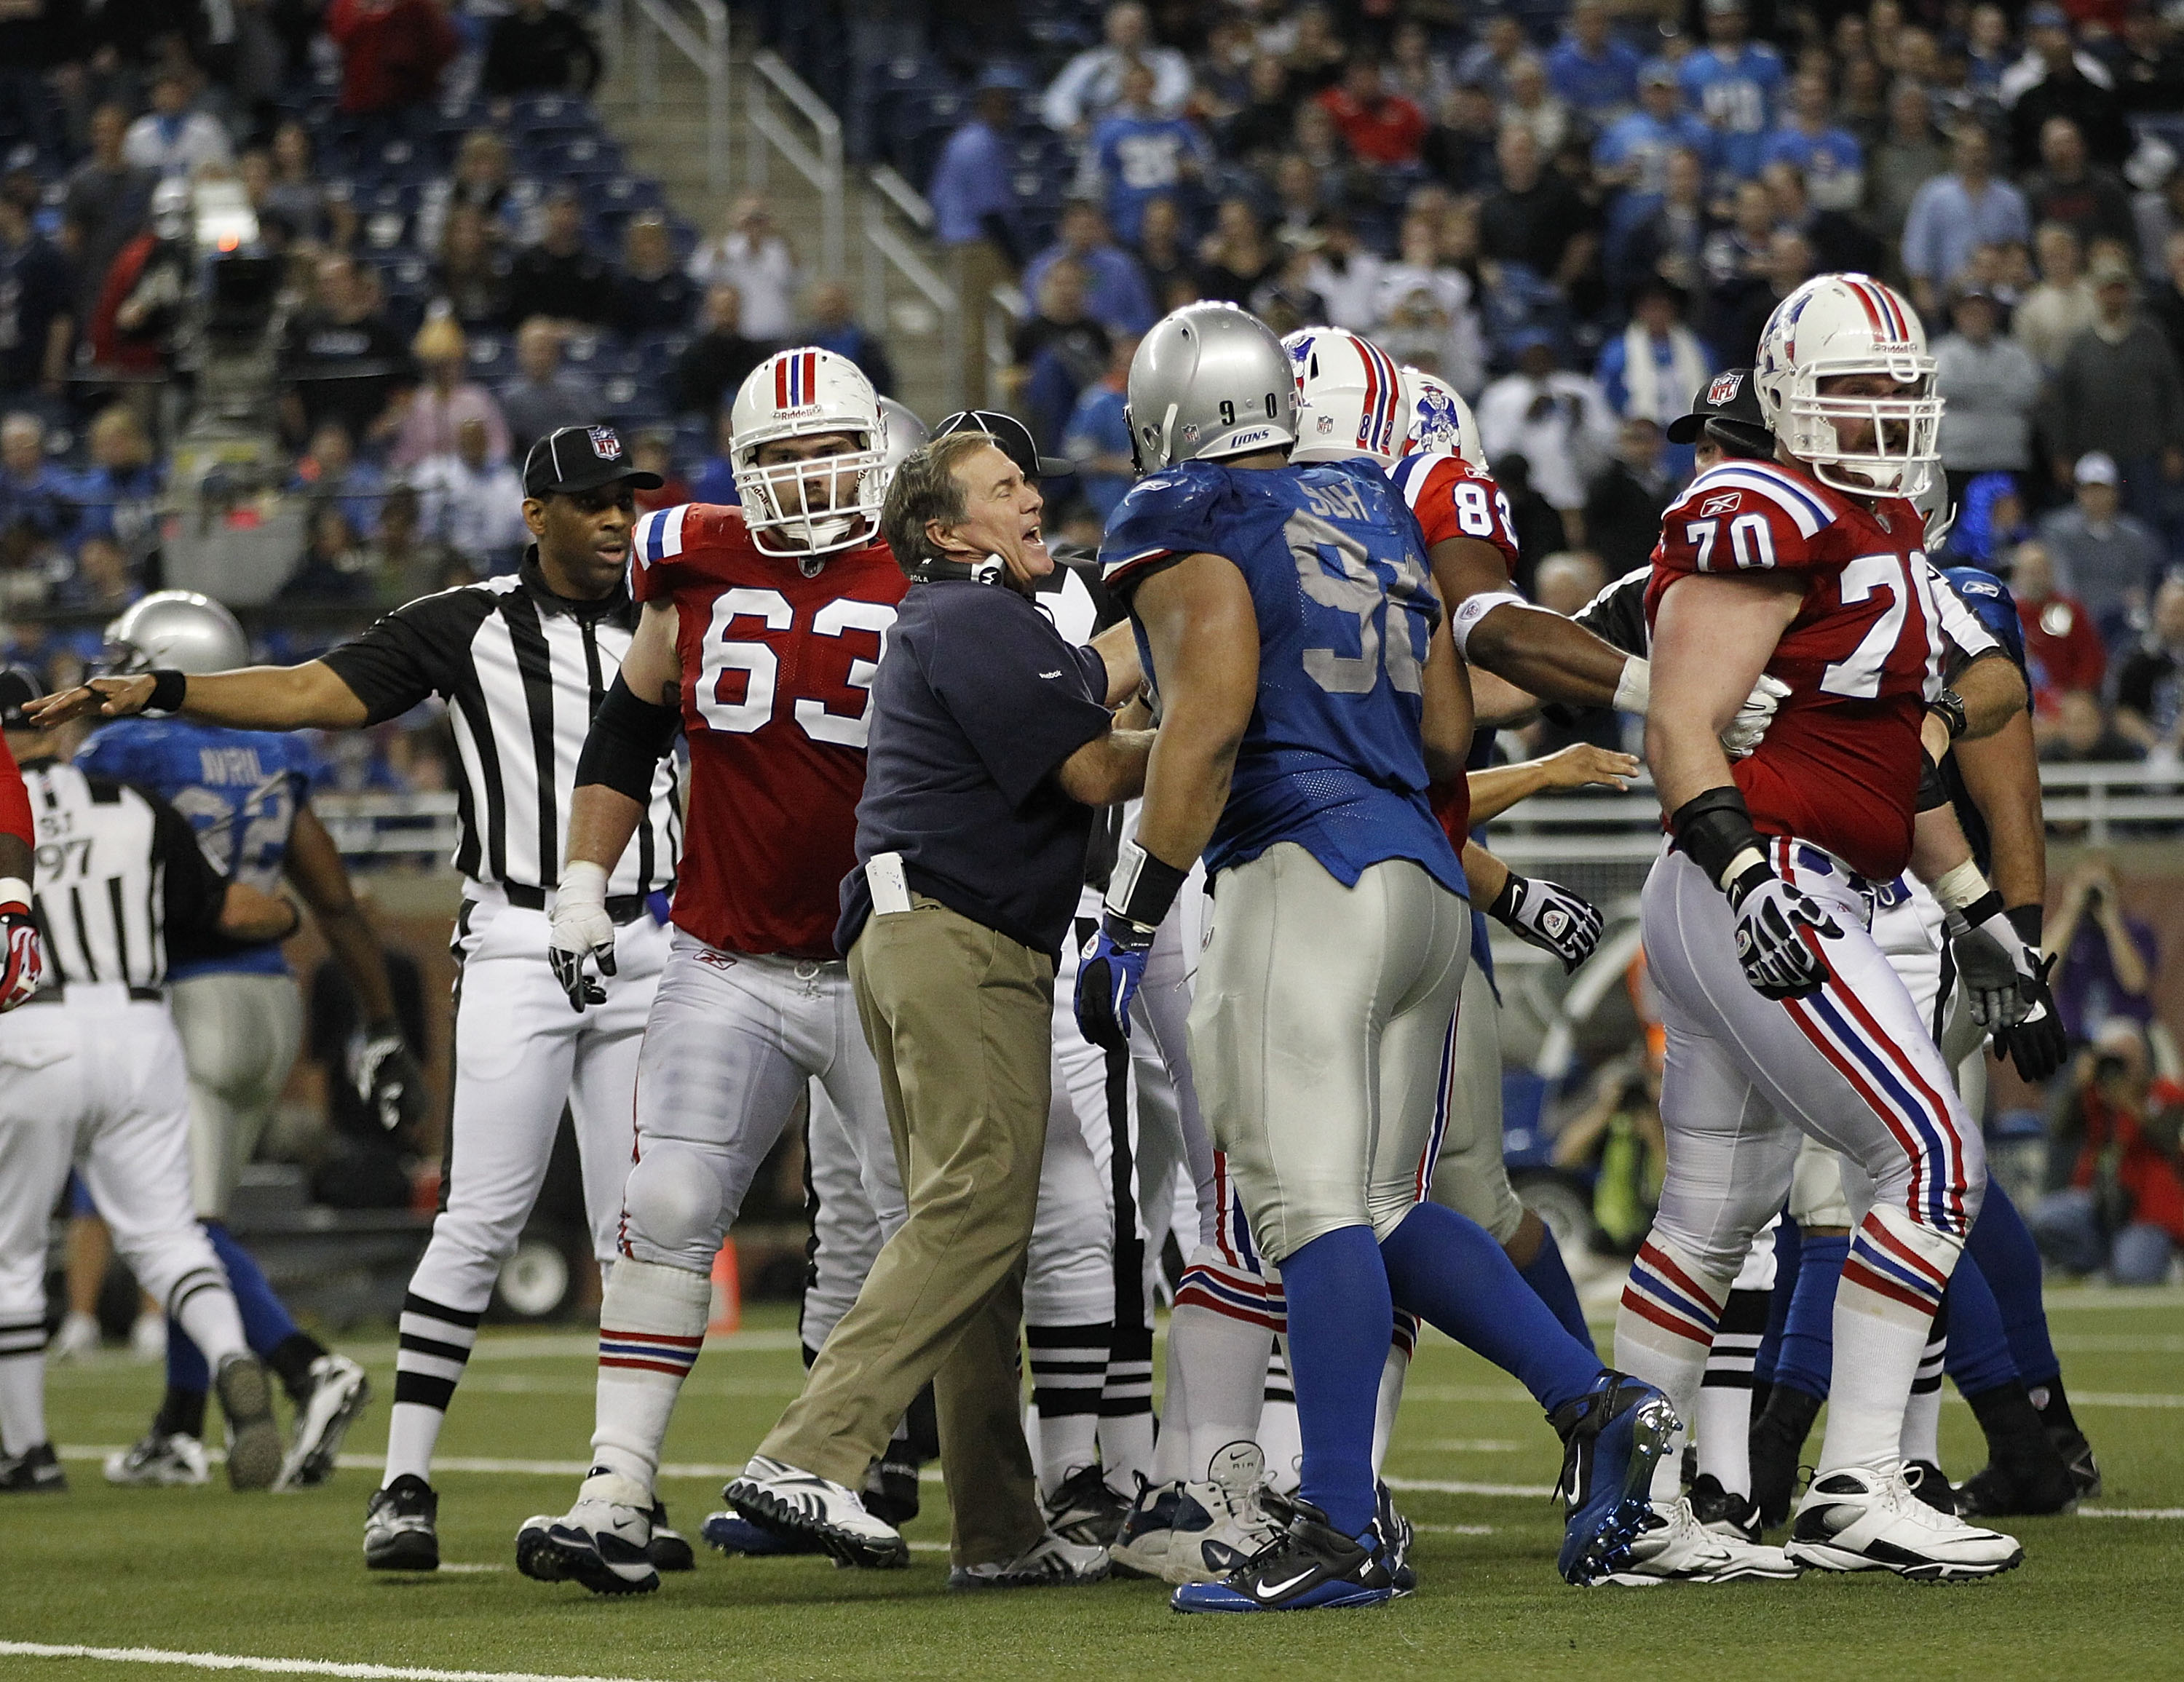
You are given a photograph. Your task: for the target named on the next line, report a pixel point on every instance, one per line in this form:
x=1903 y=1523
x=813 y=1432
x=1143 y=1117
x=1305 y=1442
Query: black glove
x=2038 y=1045
x=1993 y=963
x=1548 y=916
x=1772 y=917
x=387 y=1078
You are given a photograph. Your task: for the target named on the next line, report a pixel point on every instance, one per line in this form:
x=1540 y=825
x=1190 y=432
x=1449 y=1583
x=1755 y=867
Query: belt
x=622 y=908
x=57 y=995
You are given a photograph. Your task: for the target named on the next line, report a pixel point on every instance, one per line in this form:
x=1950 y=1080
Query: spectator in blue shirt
x=1141 y=155
x=1098 y=436
x=1591 y=71
x=1955 y=214
x=974 y=212
x=1116 y=294
x=715 y=480
x=1634 y=151
x=37 y=499
x=1832 y=161
x=1733 y=83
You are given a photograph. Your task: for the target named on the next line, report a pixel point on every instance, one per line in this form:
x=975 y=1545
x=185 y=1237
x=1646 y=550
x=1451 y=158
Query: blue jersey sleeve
x=1990 y=600
x=1166 y=515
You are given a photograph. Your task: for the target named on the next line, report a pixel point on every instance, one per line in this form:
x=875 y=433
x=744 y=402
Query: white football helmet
x=1835 y=324
x=812 y=507
x=1350 y=397
x=1436 y=418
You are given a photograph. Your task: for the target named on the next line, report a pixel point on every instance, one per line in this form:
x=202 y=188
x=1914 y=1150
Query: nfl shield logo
x=1722 y=391
x=606 y=444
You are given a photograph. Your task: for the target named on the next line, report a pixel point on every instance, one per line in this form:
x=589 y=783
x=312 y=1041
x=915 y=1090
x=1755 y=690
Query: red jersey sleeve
x=1451 y=499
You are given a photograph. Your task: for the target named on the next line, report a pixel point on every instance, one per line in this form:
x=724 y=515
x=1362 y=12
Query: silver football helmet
x=1209 y=382
x=905 y=434
x=177 y=628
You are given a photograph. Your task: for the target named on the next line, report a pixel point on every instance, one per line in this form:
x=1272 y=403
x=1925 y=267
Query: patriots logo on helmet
x=1724 y=389
x=1436 y=416
x=606 y=444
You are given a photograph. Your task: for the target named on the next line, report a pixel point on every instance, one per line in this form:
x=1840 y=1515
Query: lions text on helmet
x=809 y=443
x=1846 y=385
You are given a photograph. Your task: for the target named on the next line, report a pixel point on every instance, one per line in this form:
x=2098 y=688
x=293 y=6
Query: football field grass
x=141 y=1573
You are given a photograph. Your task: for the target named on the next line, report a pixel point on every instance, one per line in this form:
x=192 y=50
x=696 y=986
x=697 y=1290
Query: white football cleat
x=1857 y=1519
x=786 y=1499
x=1220 y=1523
x=79 y=1336
x=1140 y=1550
x=1052 y=1562
x=1675 y=1547
x=604 y=1541
x=161 y=1460
x=339 y=1391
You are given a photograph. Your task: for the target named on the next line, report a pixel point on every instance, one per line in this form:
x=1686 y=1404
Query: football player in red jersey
x=761 y=630
x=1782 y=1013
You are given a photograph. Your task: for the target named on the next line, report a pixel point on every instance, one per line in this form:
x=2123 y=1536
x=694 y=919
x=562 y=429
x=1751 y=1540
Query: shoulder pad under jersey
x=1167 y=513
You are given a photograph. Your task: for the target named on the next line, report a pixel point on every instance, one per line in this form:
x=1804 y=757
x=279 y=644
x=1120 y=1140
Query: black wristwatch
x=1950 y=706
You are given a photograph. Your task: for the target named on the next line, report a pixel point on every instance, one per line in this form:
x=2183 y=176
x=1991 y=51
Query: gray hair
x=925 y=489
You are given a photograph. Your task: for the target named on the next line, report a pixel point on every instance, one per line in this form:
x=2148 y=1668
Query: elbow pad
x=1714 y=828
x=627 y=739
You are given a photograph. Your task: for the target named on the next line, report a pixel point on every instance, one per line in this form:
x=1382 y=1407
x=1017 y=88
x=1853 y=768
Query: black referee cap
x=1728 y=408
x=18 y=689
x=573 y=458
x=1012 y=438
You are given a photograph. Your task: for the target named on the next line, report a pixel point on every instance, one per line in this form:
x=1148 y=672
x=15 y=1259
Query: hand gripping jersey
x=777 y=675
x=1332 y=759
x=240 y=789
x=1840 y=764
x=1451 y=499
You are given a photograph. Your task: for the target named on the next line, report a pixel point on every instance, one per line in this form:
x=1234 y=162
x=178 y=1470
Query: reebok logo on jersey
x=1050 y=674
x=1724 y=504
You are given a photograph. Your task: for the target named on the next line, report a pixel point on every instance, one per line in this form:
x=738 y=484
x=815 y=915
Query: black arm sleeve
x=418 y=650
x=626 y=743
x=194 y=893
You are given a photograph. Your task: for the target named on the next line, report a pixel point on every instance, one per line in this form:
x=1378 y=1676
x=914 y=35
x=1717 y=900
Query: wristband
x=1959 y=888
x=1142 y=887
x=583 y=882
x=1472 y=609
x=15 y=891
x=1949 y=706
x=2029 y=921
x=1634 y=689
x=1714 y=829
x=170 y=689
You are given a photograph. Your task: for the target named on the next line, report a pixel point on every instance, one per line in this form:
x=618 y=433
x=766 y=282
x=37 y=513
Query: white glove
x=1749 y=727
x=581 y=928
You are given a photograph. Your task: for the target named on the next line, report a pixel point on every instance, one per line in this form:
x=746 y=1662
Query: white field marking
x=2131 y=1513
x=470 y=1570
x=281 y=1666
x=2115 y=1343
x=1455 y=1529
x=549 y=1346
x=2072 y=1297
x=1469 y=1446
x=1438 y=1486
x=700 y=1383
x=1470 y=1393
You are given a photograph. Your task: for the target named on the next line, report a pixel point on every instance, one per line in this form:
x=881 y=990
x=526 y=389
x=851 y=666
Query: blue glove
x=1112 y=970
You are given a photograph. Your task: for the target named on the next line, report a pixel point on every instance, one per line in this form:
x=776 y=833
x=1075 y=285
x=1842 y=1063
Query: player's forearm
x=2002 y=775
x=246 y=914
x=1107 y=769
x=16 y=859
x=1550 y=657
x=1186 y=785
x=1937 y=845
x=601 y=821
x=1498 y=788
x=307 y=696
x=1485 y=875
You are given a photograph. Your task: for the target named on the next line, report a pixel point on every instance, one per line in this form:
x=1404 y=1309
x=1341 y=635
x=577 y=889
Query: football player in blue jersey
x=241 y=1018
x=1287 y=619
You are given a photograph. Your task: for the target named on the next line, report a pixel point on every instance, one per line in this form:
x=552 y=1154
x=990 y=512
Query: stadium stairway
x=667 y=142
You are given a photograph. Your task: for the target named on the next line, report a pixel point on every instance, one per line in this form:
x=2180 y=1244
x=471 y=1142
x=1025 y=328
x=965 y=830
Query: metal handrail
x=886 y=247
x=641 y=24
x=1009 y=311
x=820 y=165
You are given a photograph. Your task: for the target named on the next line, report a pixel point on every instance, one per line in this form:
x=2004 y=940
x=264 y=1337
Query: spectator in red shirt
x=2062 y=647
x=1382 y=128
x=392 y=53
x=2124 y=1204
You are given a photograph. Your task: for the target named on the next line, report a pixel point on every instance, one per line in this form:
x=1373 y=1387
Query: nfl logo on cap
x=606 y=444
x=1723 y=388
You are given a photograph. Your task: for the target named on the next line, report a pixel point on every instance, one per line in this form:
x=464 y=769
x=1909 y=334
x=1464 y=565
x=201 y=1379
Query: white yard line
x=2131 y=1513
x=283 y=1667
x=1440 y=1486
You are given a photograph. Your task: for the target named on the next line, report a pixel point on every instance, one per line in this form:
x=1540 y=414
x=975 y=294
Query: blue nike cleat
x=731 y=1533
x=1309 y=1565
x=1613 y=1437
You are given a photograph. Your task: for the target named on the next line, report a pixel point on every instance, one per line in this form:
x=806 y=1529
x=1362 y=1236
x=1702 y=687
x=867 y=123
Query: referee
x=522 y=661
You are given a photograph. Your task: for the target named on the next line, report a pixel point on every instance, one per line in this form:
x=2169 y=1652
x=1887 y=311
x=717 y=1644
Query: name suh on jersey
x=118 y=873
x=522 y=672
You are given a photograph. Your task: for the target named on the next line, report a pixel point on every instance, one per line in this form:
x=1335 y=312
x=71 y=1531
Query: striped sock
x=1922 y=1415
x=1885 y=1307
x=22 y=1382
x=203 y=1306
x=652 y=1324
x=434 y=1346
x=1219 y=1340
x=1126 y=1408
x=1068 y=1367
x=1724 y=1424
x=1671 y=1308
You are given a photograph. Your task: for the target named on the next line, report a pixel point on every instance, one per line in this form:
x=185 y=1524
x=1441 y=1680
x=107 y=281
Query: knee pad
x=672 y=1199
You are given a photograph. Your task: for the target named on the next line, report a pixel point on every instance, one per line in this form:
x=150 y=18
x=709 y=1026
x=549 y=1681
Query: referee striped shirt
x=522 y=672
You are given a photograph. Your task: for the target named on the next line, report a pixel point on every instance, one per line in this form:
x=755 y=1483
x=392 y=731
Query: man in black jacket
x=538 y=48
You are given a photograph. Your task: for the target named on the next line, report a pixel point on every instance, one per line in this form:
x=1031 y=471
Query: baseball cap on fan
x=1012 y=438
x=571 y=459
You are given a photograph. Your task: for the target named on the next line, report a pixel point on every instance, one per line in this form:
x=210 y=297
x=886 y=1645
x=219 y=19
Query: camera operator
x=2123 y=1204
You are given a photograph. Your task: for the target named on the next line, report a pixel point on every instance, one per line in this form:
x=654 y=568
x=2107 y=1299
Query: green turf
x=208 y=1571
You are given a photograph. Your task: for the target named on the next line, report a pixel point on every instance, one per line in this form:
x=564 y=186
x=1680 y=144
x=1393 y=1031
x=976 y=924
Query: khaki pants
x=958 y=1018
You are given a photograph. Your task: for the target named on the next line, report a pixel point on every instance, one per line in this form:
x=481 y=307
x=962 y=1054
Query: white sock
x=1392 y=1375
x=1171 y=1445
x=1279 y=1438
x=1891 y=1286
x=1219 y=1343
x=1922 y=1414
x=22 y=1400
x=1664 y=1329
x=1126 y=1421
x=652 y=1324
x=204 y=1307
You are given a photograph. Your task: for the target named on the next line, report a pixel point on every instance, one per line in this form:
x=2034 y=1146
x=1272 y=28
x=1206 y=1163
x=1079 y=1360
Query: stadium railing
x=699 y=30
x=893 y=206
x=817 y=160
